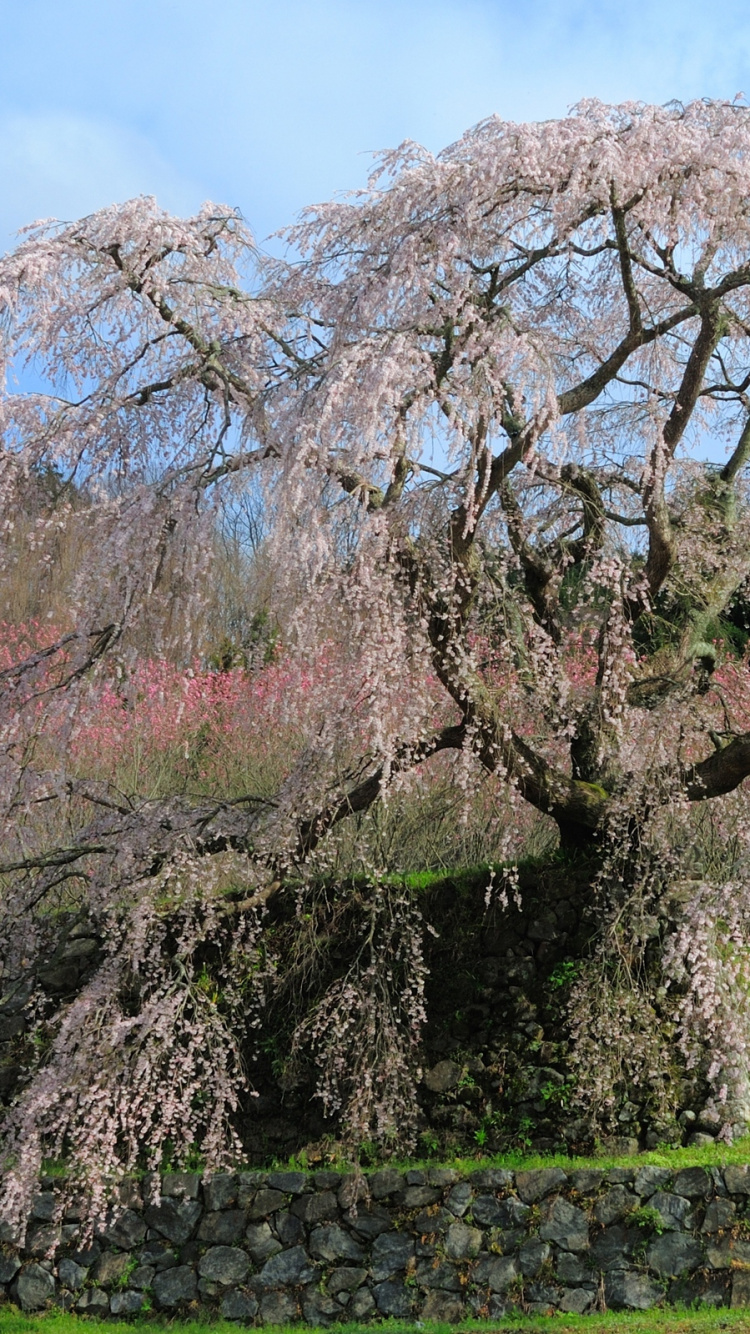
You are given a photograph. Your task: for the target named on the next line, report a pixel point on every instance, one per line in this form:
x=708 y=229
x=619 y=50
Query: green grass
x=639 y=1322
x=460 y=877
x=467 y=876
x=711 y=1155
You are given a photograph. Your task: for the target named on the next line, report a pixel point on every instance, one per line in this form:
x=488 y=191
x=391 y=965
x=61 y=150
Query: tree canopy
x=473 y=397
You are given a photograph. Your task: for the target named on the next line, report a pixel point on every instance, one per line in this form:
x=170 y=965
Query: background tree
x=464 y=398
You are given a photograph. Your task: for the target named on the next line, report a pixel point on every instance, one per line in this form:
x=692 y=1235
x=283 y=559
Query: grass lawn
x=705 y=1321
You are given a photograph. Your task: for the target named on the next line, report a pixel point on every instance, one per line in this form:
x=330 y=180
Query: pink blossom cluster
x=205 y=720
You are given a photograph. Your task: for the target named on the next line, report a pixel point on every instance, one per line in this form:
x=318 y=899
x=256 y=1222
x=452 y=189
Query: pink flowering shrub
x=18 y=642
x=163 y=729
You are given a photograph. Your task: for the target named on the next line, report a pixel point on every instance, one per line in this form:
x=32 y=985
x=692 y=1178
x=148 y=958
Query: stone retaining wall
x=273 y=1247
x=495 y=1050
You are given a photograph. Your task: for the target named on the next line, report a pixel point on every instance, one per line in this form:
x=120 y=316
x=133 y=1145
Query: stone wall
x=495 y=1050
x=493 y=1018
x=272 y=1247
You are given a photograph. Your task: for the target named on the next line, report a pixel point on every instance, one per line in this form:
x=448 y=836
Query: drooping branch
x=125 y=844
x=588 y=390
x=626 y=268
x=212 y=368
x=364 y=795
x=693 y=375
x=577 y=807
x=720 y=772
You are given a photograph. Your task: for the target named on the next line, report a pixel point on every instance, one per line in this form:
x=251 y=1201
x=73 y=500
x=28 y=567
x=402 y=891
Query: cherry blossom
x=472 y=397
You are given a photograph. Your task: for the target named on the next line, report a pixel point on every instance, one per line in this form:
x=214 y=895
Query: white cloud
x=66 y=165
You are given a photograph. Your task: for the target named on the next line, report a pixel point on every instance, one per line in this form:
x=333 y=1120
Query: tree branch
x=661 y=546
x=366 y=793
x=626 y=269
x=739 y=457
x=721 y=772
x=538 y=572
x=572 y=400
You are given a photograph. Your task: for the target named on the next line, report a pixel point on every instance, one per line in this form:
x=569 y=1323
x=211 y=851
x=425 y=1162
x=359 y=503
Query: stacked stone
x=494 y=1018
x=278 y=1247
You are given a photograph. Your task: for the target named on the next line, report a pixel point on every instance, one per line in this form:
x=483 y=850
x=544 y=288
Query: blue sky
x=272 y=104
